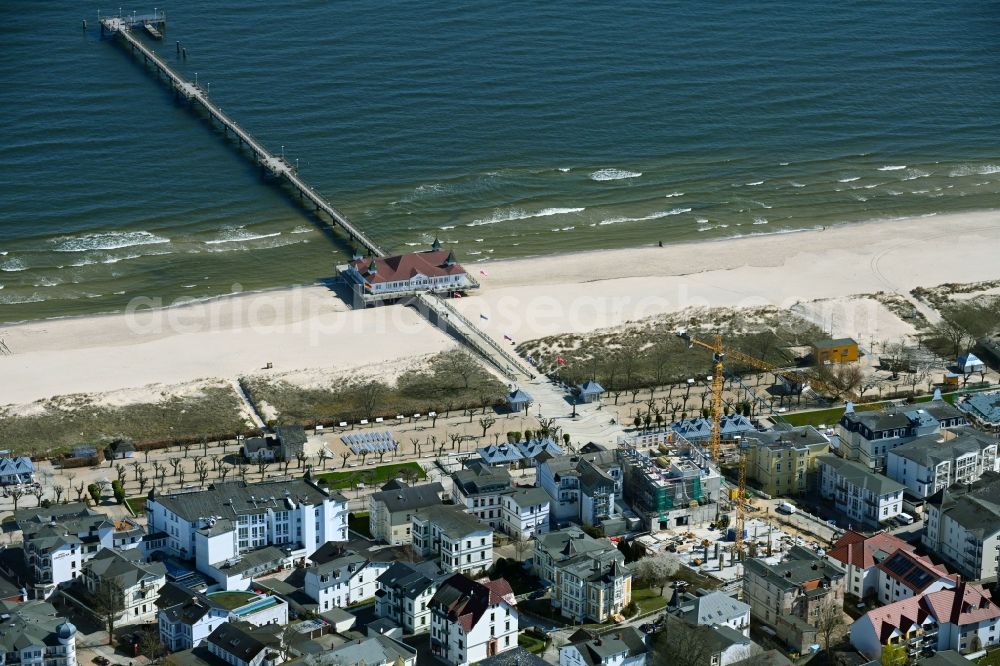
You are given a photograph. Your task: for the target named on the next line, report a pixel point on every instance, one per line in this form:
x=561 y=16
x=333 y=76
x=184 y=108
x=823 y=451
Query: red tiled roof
x=405 y=266
x=859 y=550
x=901 y=615
x=963 y=605
x=465 y=601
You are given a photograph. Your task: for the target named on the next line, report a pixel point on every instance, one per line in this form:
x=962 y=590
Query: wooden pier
x=438 y=310
x=123 y=27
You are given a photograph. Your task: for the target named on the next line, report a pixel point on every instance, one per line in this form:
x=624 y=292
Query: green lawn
x=231 y=600
x=991 y=658
x=358 y=522
x=137 y=504
x=648 y=599
x=830 y=417
x=371 y=477
x=531 y=644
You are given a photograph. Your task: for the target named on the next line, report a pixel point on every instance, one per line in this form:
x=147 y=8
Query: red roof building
x=859 y=555
x=386 y=278
x=472 y=620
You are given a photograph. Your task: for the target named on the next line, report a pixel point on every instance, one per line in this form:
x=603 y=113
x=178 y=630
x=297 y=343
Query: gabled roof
x=465 y=601
x=452 y=520
x=19 y=465
x=126 y=568
x=410 y=498
x=433 y=263
x=241 y=639
x=913 y=571
x=518 y=396
x=534 y=448
x=498 y=454
x=713 y=608
x=860 y=476
x=931 y=450
x=963 y=605
x=373 y=651
x=854 y=548
x=478 y=478
x=403 y=577
x=32 y=623
x=590 y=387
x=597 y=650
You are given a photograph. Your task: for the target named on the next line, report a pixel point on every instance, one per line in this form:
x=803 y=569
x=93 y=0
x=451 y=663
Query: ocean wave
x=759 y=220
x=513 y=214
x=11 y=299
x=849 y=180
x=892 y=167
x=614 y=174
x=113 y=240
x=755 y=183
x=919 y=191
x=644 y=218
x=239 y=235
x=474 y=252
x=673 y=194
x=301 y=229
x=794 y=184
x=447 y=227
x=913 y=174
x=970 y=170
x=48 y=282
x=13 y=266
x=414 y=244
x=564 y=169
x=762 y=204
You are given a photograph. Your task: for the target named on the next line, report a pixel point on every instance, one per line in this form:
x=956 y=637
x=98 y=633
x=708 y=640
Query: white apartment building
x=343 y=579
x=864 y=497
x=905 y=574
x=868 y=437
x=625 y=647
x=934 y=462
x=525 y=512
x=243 y=644
x=479 y=488
x=582 y=487
x=187 y=618
x=472 y=620
x=404 y=596
x=464 y=544
x=135 y=582
x=33 y=634
x=236 y=517
x=58 y=541
x=963 y=527
x=860 y=555
x=715 y=608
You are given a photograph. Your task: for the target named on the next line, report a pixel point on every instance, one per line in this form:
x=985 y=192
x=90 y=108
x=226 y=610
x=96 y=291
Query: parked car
x=101 y=661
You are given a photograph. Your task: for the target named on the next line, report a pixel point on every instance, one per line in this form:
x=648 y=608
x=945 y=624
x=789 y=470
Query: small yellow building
x=783 y=462
x=841 y=350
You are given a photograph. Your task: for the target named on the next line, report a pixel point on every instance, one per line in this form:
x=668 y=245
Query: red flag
x=560 y=360
x=457 y=295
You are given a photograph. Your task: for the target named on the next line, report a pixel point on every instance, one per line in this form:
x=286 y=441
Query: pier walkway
x=122 y=27
x=435 y=308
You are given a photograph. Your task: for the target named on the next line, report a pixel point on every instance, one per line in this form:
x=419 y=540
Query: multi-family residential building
x=716 y=608
x=624 y=647
x=962 y=527
x=699 y=429
x=931 y=463
x=783 y=461
x=462 y=541
x=187 y=618
x=225 y=522
x=860 y=555
x=862 y=496
x=525 y=512
x=134 y=582
x=390 y=511
x=680 y=493
x=799 y=586
x=243 y=644
x=479 y=488
x=472 y=620
x=588 y=577
x=376 y=650
x=33 y=634
x=905 y=574
x=337 y=578
x=16 y=471
x=983 y=408
x=58 y=540
x=404 y=594
x=584 y=487
x=963 y=618
x=867 y=437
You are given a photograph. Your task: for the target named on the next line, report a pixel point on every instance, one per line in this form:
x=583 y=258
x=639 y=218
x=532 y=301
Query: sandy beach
x=302 y=329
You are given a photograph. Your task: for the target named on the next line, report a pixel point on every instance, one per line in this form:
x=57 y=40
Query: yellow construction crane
x=719 y=354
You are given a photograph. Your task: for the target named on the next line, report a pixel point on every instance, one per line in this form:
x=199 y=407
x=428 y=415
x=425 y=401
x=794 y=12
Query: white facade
x=178 y=634
x=463 y=543
x=34 y=635
x=863 y=497
x=970 y=548
x=138 y=599
x=404 y=597
x=493 y=632
x=945 y=463
x=339 y=584
x=295 y=514
x=525 y=513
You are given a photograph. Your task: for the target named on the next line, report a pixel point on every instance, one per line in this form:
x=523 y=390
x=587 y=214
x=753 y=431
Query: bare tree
x=201 y=469
x=58 y=491
x=262 y=466
x=39 y=493
x=141 y=478
x=120 y=471
x=175 y=463
x=324 y=455
x=344 y=456
x=79 y=488
x=223 y=471
x=369 y=396
x=108 y=603
x=300 y=456
x=828 y=623
x=486 y=422
x=16 y=493
x=683 y=644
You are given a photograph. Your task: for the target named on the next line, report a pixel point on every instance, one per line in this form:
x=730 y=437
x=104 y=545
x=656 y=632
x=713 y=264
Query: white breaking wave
x=913 y=174
x=512 y=214
x=849 y=180
x=13 y=266
x=755 y=183
x=794 y=184
x=651 y=216
x=892 y=167
x=969 y=170
x=239 y=235
x=48 y=282
x=447 y=227
x=301 y=230
x=614 y=174
x=762 y=204
x=107 y=241
x=564 y=169
x=673 y=194
x=759 y=220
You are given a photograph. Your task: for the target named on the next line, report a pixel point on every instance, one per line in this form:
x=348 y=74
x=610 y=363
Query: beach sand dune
x=308 y=327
